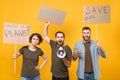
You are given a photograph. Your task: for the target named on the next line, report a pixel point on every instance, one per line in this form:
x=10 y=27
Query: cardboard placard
x=97 y=14
x=16 y=33
x=52 y=15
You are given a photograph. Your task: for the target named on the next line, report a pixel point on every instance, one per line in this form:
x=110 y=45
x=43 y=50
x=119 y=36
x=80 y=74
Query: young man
x=87 y=52
x=59 y=66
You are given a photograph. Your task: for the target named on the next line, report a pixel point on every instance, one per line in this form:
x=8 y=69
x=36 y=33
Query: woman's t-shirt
x=30 y=61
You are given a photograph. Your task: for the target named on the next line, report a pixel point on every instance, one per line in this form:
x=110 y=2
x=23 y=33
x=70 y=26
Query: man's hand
x=98 y=45
x=76 y=55
x=47 y=24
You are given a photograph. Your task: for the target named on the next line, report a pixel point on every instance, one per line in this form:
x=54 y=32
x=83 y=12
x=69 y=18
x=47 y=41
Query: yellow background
x=26 y=12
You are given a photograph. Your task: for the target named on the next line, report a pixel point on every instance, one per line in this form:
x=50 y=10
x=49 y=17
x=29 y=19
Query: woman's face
x=35 y=40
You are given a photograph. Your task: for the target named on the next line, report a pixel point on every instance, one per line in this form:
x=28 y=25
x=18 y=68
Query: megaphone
x=61 y=53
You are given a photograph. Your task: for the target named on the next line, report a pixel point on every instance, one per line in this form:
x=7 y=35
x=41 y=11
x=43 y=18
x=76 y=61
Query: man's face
x=60 y=39
x=86 y=35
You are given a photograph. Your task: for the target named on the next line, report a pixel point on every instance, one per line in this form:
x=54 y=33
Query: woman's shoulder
x=24 y=47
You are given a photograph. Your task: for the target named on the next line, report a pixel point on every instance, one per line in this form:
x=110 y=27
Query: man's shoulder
x=52 y=40
x=53 y=43
x=79 y=42
x=67 y=46
x=92 y=41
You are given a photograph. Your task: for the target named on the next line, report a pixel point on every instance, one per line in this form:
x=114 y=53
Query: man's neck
x=62 y=45
x=87 y=41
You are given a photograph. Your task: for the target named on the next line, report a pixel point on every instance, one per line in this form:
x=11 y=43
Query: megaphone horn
x=61 y=53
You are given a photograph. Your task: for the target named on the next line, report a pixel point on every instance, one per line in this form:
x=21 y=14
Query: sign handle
x=96 y=32
x=15 y=59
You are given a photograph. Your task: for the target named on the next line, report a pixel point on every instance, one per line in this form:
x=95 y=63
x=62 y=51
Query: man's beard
x=60 y=43
x=88 y=38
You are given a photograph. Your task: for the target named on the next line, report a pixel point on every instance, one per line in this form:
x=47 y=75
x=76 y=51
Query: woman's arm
x=43 y=64
x=15 y=56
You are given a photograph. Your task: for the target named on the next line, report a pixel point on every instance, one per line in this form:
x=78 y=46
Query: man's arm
x=46 y=32
x=76 y=55
x=100 y=50
x=68 y=58
x=66 y=62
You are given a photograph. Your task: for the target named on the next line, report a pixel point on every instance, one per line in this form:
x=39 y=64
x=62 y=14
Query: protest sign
x=51 y=15
x=96 y=14
x=16 y=33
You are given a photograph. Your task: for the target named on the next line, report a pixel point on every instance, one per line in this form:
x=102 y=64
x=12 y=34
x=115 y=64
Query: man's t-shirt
x=58 y=67
x=88 y=58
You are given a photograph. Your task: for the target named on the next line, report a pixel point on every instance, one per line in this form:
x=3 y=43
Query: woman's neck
x=32 y=48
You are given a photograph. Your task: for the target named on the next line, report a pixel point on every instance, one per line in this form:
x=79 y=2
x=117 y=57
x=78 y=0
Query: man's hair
x=86 y=28
x=38 y=35
x=59 y=32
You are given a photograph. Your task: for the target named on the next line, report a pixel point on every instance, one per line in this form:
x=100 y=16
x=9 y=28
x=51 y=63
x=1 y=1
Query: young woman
x=30 y=54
